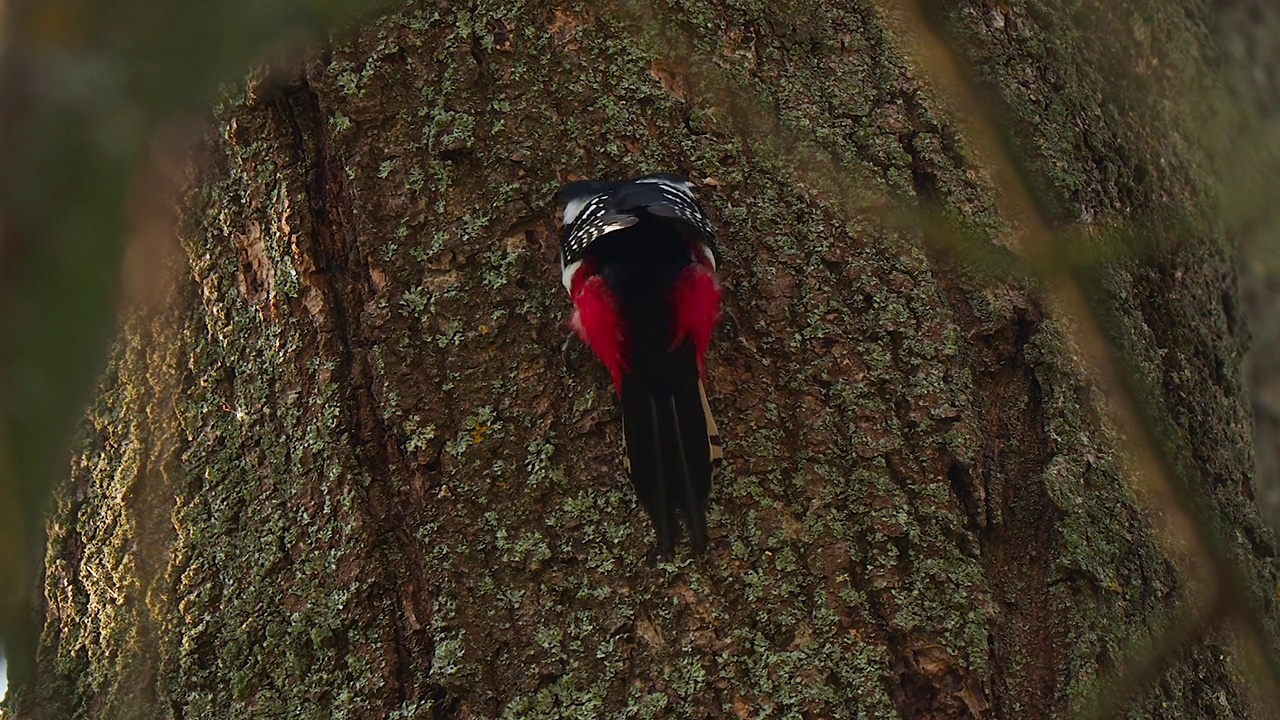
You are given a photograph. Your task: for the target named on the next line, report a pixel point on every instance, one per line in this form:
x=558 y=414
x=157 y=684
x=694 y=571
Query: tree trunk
x=346 y=472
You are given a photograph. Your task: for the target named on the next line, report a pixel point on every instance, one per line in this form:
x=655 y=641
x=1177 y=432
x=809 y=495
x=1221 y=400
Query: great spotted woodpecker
x=638 y=259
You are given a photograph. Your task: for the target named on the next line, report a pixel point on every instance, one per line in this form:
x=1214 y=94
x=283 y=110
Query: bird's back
x=637 y=259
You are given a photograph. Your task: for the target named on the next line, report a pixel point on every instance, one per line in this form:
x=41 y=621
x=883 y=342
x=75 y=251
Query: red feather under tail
x=598 y=321
x=696 y=300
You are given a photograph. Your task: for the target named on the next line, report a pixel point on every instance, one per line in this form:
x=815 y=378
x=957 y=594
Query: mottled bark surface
x=346 y=472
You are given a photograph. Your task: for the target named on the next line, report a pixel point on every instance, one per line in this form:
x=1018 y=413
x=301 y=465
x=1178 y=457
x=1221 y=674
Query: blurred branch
x=1037 y=242
x=1216 y=586
x=1149 y=660
x=1210 y=569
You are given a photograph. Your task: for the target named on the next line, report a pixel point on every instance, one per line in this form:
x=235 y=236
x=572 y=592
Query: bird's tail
x=672 y=450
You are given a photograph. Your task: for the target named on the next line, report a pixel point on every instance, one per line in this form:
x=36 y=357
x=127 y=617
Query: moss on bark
x=347 y=474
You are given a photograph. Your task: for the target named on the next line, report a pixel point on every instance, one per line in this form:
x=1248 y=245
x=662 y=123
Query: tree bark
x=346 y=472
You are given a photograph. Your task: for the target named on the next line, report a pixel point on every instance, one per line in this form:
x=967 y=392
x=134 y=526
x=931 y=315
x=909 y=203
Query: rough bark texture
x=347 y=474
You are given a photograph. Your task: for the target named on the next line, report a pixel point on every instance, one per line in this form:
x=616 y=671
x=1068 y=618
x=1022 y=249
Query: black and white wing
x=668 y=196
x=586 y=217
x=594 y=208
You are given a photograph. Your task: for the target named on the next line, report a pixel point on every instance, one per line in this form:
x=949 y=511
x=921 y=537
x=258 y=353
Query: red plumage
x=695 y=298
x=696 y=301
x=598 y=321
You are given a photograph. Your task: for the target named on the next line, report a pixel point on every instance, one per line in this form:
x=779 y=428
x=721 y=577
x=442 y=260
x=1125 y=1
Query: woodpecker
x=638 y=259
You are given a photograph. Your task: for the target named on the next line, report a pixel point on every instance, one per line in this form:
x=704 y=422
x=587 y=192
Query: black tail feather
x=691 y=481
x=670 y=455
x=663 y=514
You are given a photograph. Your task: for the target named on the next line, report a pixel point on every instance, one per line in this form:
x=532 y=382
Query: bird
x=638 y=259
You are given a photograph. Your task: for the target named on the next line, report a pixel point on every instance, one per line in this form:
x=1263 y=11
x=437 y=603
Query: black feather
x=665 y=425
x=606 y=207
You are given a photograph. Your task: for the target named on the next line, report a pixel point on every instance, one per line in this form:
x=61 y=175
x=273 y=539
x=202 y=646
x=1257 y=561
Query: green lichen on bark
x=346 y=473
